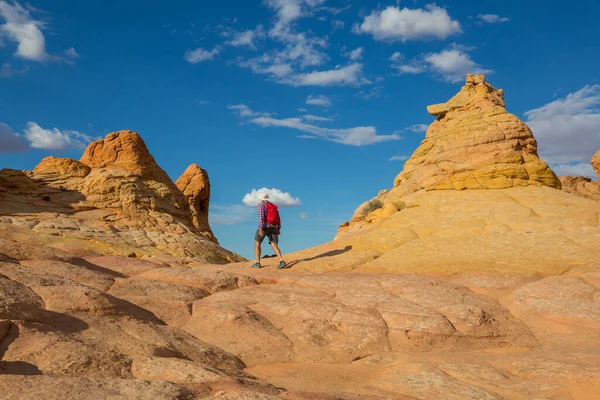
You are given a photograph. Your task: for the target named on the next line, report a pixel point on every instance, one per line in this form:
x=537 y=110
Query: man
x=268 y=228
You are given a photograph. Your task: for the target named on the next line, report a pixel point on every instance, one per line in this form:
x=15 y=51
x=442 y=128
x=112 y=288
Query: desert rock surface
x=442 y=292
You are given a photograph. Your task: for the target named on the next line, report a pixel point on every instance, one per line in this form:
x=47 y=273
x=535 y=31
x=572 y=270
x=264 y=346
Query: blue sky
x=318 y=99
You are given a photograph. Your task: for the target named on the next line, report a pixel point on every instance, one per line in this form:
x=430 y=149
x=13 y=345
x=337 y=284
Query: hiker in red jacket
x=269 y=224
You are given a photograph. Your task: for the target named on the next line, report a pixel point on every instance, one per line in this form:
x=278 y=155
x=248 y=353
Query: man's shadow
x=327 y=254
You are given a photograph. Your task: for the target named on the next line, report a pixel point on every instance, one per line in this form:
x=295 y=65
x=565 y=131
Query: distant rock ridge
x=116 y=199
x=473 y=144
x=581 y=185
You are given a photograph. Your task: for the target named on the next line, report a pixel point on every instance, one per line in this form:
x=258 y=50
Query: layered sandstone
x=474 y=143
x=195 y=186
x=581 y=186
x=596 y=162
x=584 y=186
x=116 y=200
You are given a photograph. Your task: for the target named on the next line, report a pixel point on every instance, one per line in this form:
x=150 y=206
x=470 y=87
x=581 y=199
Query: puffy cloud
x=492 y=18
x=568 y=129
x=20 y=27
x=53 y=139
x=405 y=24
x=398 y=158
x=318 y=101
x=451 y=64
x=356 y=54
x=10 y=142
x=247 y=38
x=200 y=55
x=454 y=64
x=276 y=196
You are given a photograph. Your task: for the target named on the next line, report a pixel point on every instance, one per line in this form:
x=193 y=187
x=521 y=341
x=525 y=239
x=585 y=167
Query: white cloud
x=451 y=64
x=356 y=54
x=454 y=64
x=336 y=25
x=293 y=51
x=349 y=75
x=320 y=100
x=200 y=55
x=53 y=139
x=418 y=128
x=245 y=111
x=247 y=38
x=413 y=67
x=568 y=129
x=492 y=18
x=276 y=196
x=581 y=169
x=398 y=158
x=309 y=117
x=10 y=142
x=357 y=136
x=396 y=57
x=20 y=27
x=71 y=53
x=304 y=215
x=405 y=24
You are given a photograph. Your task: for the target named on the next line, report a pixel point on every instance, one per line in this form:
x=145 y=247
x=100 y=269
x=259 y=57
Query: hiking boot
x=281 y=265
x=256 y=265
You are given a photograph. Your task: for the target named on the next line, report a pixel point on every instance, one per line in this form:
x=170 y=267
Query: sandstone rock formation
x=473 y=144
x=195 y=186
x=596 y=162
x=116 y=200
x=581 y=185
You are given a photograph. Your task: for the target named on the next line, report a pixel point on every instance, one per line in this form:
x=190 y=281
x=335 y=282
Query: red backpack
x=273 y=214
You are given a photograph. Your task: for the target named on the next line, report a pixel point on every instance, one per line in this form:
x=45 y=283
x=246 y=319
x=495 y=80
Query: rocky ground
x=112 y=285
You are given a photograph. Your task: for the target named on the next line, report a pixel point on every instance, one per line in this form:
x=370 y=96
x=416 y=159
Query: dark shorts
x=271 y=233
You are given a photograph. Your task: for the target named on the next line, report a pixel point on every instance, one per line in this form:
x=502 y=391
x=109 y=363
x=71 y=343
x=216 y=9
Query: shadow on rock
x=331 y=253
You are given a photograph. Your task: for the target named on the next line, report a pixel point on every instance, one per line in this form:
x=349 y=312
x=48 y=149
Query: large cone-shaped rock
x=475 y=144
x=116 y=200
x=195 y=186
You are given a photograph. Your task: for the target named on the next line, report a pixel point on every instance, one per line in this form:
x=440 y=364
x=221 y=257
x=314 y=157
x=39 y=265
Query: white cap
x=264 y=196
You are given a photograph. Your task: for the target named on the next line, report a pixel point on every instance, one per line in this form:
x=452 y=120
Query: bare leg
x=257 y=251
x=277 y=251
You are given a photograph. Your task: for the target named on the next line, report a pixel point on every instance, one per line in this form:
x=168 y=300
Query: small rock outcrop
x=195 y=186
x=115 y=200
